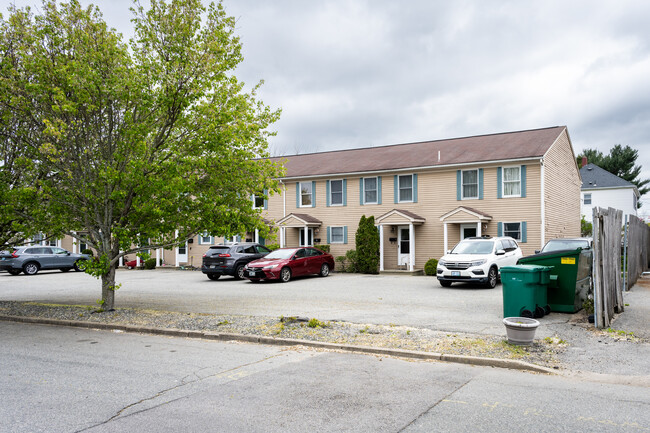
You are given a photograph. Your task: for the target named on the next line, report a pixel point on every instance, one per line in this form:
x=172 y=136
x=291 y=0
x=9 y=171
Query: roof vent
x=590 y=168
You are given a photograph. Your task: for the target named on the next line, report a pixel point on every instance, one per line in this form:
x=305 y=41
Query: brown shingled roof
x=494 y=147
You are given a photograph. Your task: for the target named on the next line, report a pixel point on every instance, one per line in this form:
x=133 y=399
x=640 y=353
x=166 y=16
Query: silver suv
x=478 y=260
x=32 y=259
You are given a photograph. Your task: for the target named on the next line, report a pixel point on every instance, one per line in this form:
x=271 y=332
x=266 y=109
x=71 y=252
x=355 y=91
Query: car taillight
x=224 y=255
x=14 y=255
x=204 y=255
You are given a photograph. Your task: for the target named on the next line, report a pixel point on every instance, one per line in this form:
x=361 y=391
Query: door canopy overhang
x=400 y=217
x=464 y=214
x=299 y=220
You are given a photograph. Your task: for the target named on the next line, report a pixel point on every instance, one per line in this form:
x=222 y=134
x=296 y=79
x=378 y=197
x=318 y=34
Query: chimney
x=584 y=161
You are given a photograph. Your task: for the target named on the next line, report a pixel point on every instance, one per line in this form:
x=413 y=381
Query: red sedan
x=285 y=263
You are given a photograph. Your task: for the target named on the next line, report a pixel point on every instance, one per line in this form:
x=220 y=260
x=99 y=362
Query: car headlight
x=478 y=262
x=442 y=263
x=270 y=267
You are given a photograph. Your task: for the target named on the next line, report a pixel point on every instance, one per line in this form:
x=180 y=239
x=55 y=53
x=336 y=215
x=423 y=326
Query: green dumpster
x=570 y=277
x=524 y=290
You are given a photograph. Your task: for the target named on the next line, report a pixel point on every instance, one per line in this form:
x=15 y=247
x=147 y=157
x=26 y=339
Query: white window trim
x=520 y=229
x=376 y=190
x=254 y=198
x=462 y=184
x=342 y=193
x=503 y=181
x=584 y=198
x=399 y=190
x=201 y=236
x=332 y=234
x=311 y=194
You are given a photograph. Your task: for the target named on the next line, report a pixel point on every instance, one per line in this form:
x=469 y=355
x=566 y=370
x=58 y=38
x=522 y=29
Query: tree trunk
x=108 y=289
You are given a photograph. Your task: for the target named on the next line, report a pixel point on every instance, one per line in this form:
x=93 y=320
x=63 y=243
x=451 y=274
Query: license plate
x=212 y=266
x=251 y=273
x=455 y=273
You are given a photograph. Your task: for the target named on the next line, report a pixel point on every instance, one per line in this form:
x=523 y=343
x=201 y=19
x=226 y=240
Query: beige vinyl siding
x=561 y=190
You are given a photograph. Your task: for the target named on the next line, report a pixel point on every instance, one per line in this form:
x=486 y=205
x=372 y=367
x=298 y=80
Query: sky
x=352 y=74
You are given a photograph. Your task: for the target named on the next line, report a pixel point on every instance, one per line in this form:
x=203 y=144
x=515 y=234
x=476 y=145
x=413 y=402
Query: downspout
x=543 y=208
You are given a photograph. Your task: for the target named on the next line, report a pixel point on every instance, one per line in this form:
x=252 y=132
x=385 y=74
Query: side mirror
x=500 y=252
x=537 y=251
x=448 y=251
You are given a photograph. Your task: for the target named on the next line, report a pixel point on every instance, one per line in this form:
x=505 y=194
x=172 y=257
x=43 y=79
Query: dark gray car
x=32 y=259
x=230 y=259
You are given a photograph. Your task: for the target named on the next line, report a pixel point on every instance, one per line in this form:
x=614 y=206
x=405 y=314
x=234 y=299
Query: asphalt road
x=58 y=379
x=400 y=300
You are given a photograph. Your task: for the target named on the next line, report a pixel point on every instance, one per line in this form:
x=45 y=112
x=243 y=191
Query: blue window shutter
x=458 y=184
x=327 y=195
x=266 y=200
x=297 y=194
x=415 y=188
x=313 y=193
x=523 y=181
x=396 y=188
x=345 y=192
x=378 y=189
x=524 y=235
x=480 y=184
x=499 y=186
x=499 y=229
x=345 y=234
x=361 y=191
x=329 y=234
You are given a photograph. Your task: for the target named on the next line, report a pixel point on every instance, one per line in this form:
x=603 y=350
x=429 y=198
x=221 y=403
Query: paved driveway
x=399 y=300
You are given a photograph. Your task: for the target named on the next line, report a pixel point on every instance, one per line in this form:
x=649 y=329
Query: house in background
x=427 y=196
x=600 y=188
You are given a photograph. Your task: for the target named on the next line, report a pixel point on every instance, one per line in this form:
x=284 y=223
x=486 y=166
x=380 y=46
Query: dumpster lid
x=525 y=268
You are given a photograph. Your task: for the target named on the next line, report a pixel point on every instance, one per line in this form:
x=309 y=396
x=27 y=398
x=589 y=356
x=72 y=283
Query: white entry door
x=181 y=255
x=467 y=231
x=403 y=246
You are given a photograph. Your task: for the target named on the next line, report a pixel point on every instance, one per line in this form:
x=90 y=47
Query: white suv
x=478 y=260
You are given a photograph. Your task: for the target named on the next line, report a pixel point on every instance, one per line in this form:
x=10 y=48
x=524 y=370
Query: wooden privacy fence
x=608 y=294
x=638 y=243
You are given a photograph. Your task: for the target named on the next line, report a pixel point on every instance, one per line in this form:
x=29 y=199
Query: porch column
x=257 y=236
x=478 y=229
x=381 y=247
x=176 y=249
x=305 y=238
x=282 y=236
x=121 y=261
x=157 y=256
x=445 y=240
x=411 y=247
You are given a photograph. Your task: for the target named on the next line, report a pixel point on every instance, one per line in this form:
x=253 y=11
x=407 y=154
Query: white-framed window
x=588 y=198
x=205 y=239
x=513 y=230
x=306 y=194
x=469 y=182
x=405 y=188
x=336 y=192
x=512 y=181
x=258 y=201
x=337 y=235
x=310 y=237
x=370 y=192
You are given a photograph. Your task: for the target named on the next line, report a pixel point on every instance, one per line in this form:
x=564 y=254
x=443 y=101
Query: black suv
x=230 y=259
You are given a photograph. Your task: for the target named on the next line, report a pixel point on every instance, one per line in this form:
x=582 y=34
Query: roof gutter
x=411 y=169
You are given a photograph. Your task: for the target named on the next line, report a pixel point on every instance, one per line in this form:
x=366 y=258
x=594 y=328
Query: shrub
x=272 y=247
x=367 y=243
x=87 y=251
x=150 y=264
x=430 y=267
x=340 y=263
x=351 y=261
x=323 y=247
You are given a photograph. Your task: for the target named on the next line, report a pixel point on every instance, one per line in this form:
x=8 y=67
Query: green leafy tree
x=144 y=144
x=367 y=246
x=620 y=161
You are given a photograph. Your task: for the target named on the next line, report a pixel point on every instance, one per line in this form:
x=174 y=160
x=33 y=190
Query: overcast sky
x=369 y=73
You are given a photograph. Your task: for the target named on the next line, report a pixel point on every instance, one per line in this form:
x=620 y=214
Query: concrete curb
x=400 y=353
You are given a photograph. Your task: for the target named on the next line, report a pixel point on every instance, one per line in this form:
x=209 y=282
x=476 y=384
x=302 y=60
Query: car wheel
x=213 y=277
x=30 y=268
x=239 y=272
x=14 y=271
x=492 y=278
x=445 y=283
x=65 y=269
x=285 y=275
x=80 y=265
x=324 y=270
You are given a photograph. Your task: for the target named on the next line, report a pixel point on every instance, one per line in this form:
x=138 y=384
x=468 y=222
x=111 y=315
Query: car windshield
x=280 y=254
x=473 y=247
x=565 y=244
